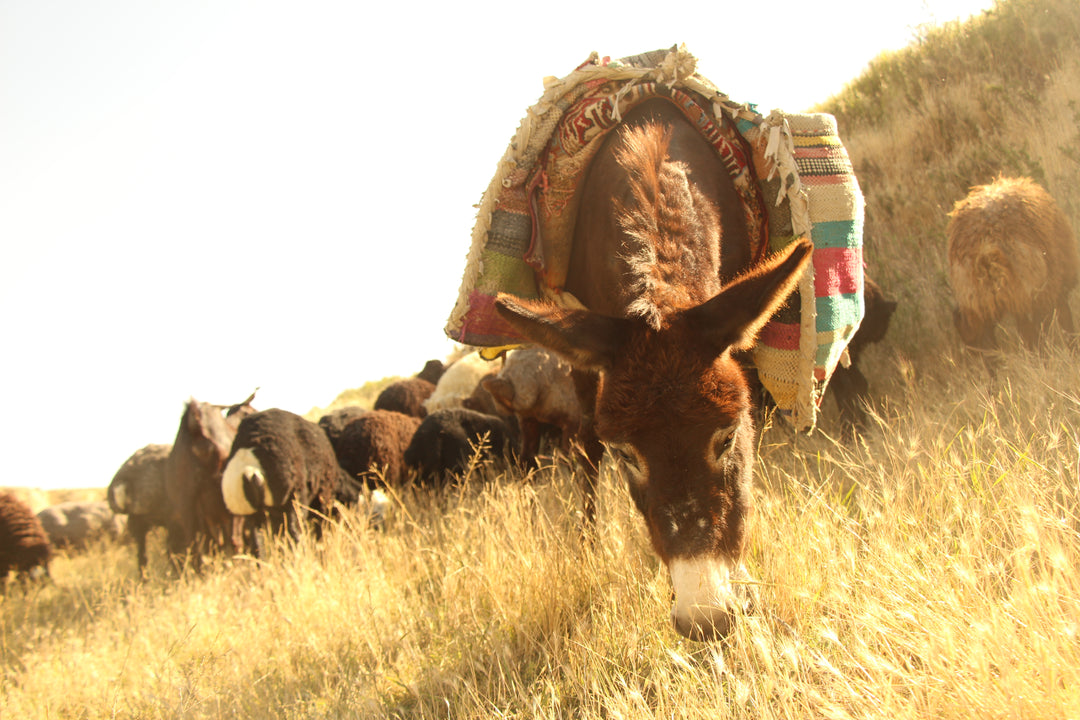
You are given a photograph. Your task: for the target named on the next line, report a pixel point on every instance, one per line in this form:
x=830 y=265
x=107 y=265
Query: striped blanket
x=791 y=172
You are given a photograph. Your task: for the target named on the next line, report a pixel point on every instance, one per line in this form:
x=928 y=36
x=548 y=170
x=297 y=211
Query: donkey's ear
x=586 y=339
x=734 y=316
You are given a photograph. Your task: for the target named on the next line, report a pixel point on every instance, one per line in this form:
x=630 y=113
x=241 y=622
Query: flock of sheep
x=233 y=469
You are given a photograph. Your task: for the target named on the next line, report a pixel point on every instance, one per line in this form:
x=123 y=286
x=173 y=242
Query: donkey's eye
x=722 y=441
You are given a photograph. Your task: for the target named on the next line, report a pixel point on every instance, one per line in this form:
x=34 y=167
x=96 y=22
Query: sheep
x=378 y=440
x=24 y=546
x=406 y=396
x=447 y=438
x=193 y=480
x=848 y=384
x=1011 y=251
x=458 y=382
x=433 y=370
x=277 y=458
x=75 y=524
x=334 y=422
x=536 y=386
x=138 y=491
x=36 y=498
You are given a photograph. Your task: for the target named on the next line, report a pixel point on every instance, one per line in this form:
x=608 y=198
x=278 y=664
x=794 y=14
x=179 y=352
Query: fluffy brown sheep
x=138 y=491
x=1011 y=252
x=36 y=498
x=24 y=546
x=406 y=396
x=376 y=439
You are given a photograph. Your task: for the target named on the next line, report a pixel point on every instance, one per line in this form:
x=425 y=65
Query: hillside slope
x=999 y=93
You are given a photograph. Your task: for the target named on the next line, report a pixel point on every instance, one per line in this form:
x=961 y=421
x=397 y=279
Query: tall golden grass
x=929 y=570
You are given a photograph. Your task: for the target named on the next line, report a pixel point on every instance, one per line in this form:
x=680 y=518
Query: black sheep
x=848 y=383
x=445 y=441
x=278 y=458
x=24 y=546
x=334 y=422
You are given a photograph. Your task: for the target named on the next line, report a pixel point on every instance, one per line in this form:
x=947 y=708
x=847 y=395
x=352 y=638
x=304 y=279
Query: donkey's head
x=679 y=401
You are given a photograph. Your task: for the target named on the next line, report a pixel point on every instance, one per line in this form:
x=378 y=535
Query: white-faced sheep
x=24 y=546
x=406 y=397
x=278 y=458
x=378 y=440
x=1011 y=252
x=75 y=524
x=446 y=440
x=138 y=491
x=459 y=381
x=536 y=386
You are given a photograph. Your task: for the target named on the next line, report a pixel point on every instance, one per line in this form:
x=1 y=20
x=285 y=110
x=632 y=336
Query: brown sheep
x=378 y=439
x=1011 y=252
x=406 y=396
x=24 y=546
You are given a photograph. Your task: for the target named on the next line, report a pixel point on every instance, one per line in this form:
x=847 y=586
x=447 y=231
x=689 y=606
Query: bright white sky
x=202 y=197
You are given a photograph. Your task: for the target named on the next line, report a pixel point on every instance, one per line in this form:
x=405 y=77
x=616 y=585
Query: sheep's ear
x=501 y=390
x=586 y=339
x=733 y=317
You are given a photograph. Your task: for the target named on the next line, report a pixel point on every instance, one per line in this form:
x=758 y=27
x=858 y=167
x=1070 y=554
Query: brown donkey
x=659 y=232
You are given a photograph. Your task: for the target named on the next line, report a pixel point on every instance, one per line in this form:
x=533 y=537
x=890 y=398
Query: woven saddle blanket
x=791 y=172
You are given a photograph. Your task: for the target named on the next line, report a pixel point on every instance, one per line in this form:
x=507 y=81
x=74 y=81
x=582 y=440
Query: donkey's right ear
x=586 y=339
x=734 y=316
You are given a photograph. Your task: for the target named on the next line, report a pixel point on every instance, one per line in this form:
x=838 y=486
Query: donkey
x=660 y=259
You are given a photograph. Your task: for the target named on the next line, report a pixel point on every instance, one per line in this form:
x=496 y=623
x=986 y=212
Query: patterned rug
x=791 y=172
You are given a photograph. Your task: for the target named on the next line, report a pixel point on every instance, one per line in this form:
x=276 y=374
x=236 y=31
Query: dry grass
x=930 y=571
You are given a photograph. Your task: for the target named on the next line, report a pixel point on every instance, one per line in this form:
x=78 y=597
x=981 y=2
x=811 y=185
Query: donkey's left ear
x=733 y=318
x=586 y=339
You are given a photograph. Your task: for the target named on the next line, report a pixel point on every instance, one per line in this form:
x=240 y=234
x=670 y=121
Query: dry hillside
x=963 y=103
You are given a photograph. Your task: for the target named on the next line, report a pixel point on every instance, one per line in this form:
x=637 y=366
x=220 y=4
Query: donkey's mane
x=671 y=231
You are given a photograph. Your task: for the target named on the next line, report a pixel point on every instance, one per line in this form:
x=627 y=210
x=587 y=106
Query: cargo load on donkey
x=652 y=231
x=791 y=170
